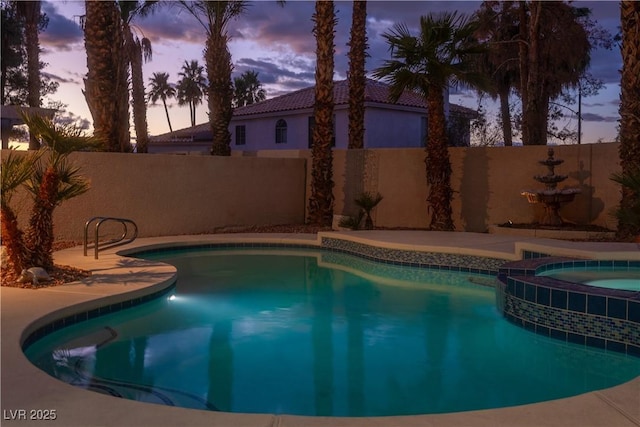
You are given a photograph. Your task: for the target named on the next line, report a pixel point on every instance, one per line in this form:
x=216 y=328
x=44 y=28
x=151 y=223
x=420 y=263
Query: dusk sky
x=278 y=43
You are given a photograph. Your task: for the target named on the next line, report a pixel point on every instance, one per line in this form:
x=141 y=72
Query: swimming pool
x=318 y=333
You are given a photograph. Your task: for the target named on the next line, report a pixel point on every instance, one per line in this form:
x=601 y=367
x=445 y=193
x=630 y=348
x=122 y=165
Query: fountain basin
x=552 y=200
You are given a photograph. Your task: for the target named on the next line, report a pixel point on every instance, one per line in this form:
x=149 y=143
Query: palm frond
x=16 y=170
x=147 y=51
x=61 y=139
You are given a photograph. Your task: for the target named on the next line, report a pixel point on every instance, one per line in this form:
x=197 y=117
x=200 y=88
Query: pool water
x=603 y=277
x=320 y=333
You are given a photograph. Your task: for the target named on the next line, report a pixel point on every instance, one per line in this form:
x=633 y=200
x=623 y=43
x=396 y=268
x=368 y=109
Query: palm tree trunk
x=106 y=86
x=12 y=239
x=534 y=110
x=507 y=133
x=321 y=200
x=219 y=69
x=357 y=79
x=137 y=90
x=31 y=13
x=523 y=57
x=166 y=111
x=629 y=104
x=438 y=163
x=40 y=237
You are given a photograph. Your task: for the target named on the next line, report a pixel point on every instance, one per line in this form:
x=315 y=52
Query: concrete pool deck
x=28 y=394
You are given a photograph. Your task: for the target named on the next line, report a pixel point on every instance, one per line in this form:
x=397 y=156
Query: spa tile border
x=599 y=317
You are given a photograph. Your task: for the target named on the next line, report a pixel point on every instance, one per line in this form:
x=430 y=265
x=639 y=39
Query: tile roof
x=375 y=92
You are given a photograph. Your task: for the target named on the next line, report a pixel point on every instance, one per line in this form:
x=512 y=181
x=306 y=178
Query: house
x=11 y=116
x=286 y=123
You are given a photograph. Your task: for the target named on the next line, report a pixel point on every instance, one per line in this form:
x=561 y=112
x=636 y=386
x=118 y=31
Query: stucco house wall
x=387 y=124
x=388 y=127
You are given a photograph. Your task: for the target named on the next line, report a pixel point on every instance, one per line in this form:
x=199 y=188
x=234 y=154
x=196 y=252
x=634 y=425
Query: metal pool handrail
x=118 y=241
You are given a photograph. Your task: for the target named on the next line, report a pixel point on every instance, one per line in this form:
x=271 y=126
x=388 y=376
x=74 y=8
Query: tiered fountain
x=551 y=197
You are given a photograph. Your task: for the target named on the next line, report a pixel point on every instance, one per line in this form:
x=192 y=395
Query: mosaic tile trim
x=588 y=325
x=90 y=314
x=435 y=260
x=415 y=275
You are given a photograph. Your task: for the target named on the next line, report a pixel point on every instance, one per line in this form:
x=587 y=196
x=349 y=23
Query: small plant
x=366 y=202
x=352 y=222
x=628 y=214
x=51 y=179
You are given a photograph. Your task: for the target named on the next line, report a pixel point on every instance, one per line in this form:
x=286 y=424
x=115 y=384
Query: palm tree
x=441 y=54
x=248 y=89
x=161 y=89
x=106 y=84
x=357 y=78
x=51 y=183
x=137 y=50
x=629 y=108
x=214 y=16
x=16 y=170
x=321 y=200
x=30 y=12
x=191 y=87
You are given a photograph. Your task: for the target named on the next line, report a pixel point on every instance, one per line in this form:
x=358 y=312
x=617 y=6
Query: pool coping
x=24 y=387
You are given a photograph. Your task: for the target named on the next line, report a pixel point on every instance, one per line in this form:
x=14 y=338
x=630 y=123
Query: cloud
x=591 y=117
x=62 y=33
x=282 y=75
x=171 y=24
x=58 y=78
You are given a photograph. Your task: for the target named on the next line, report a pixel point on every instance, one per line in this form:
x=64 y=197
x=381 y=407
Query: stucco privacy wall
x=172 y=194
x=487 y=182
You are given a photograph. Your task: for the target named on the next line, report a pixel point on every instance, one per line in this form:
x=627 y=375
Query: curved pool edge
x=26 y=387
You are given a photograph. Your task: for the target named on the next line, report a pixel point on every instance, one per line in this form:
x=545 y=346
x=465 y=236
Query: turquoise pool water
x=320 y=333
x=603 y=277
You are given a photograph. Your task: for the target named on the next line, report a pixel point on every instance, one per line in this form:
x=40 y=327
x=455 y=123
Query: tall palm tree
x=191 y=87
x=248 y=89
x=357 y=78
x=441 y=54
x=629 y=107
x=106 y=84
x=321 y=199
x=138 y=50
x=161 y=89
x=30 y=12
x=214 y=16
